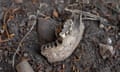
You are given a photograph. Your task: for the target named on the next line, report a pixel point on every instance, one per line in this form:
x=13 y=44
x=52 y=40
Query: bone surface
x=75 y=27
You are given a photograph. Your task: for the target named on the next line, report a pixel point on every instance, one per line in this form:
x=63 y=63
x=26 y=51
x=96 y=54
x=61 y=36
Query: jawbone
x=69 y=42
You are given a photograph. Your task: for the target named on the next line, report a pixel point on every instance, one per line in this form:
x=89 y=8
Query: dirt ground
x=98 y=51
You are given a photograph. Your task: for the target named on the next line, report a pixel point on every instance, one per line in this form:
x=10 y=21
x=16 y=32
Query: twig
x=83 y=12
x=33 y=17
x=5 y=22
x=88 y=15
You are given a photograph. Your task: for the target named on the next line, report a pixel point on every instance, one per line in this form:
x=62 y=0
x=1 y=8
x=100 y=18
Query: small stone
x=1 y=51
x=2 y=31
x=101 y=26
x=119 y=33
x=106 y=50
x=24 y=66
x=109 y=40
x=1 y=68
x=109 y=27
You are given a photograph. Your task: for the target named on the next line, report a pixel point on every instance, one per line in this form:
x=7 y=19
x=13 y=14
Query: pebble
x=1 y=51
x=119 y=33
x=109 y=40
x=104 y=50
x=1 y=68
x=102 y=26
x=2 y=31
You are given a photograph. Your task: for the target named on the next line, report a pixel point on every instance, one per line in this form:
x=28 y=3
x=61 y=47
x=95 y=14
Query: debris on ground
x=24 y=66
x=26 y=25
x=106 y=51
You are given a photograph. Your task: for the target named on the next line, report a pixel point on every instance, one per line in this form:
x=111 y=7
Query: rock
x=119 y=33
x=101 y=26
x=1 y=68
x=46 y=30
x=24 y=66
x=109 y=41
x=106 y=50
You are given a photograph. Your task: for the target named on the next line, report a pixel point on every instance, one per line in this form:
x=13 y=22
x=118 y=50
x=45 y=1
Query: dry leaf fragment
x=55 y=13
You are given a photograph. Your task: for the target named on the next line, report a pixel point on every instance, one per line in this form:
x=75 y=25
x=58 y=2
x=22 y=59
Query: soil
x=91 y=55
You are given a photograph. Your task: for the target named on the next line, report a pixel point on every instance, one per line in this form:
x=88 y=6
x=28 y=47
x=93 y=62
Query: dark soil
x=88 y=56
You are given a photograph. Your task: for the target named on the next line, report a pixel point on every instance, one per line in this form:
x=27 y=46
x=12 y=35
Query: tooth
x=66 y=33
x=63 y=35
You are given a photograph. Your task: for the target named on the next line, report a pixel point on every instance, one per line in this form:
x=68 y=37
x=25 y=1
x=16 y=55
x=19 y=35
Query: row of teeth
x=57 y=42
x=50 y=45
x=64 y=34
